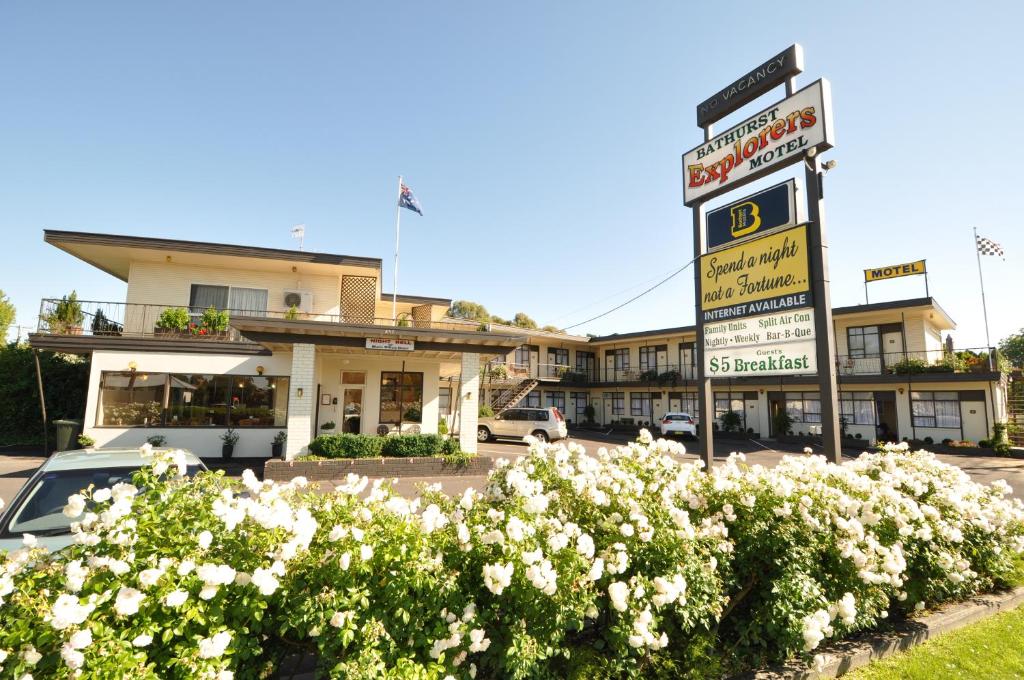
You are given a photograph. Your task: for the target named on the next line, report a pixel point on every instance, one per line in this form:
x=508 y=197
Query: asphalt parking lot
x=16 y=469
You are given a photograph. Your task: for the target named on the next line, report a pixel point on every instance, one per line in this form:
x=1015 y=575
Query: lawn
x=989 y=649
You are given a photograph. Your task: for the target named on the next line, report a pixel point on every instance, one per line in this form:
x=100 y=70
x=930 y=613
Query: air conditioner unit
x=300 y=299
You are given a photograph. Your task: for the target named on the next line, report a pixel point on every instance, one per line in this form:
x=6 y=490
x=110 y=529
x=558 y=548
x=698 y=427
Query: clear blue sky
x=543 y=140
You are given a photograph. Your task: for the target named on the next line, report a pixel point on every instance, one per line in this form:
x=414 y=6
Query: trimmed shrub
x=347 y=445
x=412 y=445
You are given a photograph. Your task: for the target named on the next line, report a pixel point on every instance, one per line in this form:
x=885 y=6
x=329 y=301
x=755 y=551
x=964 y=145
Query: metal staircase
x=511 y=396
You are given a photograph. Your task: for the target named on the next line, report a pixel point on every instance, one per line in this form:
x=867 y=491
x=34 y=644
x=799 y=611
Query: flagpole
x=398 y=221
x=984 y=306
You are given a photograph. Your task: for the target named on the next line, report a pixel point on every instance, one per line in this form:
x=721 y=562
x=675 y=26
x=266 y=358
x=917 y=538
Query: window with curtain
x=618 y=402
x=620 y=359
x=557 y=399
x=688 y=403
x=857 y=407
x=532 y=399
x=935 y=409
x=640 y=404
x=444 y=401
x=648 y=359
x=203 y=297
x=248 y=301
x=523 y=356
x=730 y=401
x=401 y=397
x=803 y=407
x=558 y=356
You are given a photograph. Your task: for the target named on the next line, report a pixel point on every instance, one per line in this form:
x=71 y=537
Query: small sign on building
x=394 y=344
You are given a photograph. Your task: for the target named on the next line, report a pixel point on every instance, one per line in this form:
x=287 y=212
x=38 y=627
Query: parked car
x=38 y=508
x=546 y=424
x=678 y=424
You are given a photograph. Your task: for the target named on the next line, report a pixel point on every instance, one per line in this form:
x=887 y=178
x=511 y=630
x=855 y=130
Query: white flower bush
x=624 y=563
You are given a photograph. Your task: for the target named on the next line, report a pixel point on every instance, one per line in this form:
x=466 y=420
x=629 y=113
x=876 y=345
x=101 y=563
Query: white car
x=678 y=424
x=546 y=424
x=38 y=508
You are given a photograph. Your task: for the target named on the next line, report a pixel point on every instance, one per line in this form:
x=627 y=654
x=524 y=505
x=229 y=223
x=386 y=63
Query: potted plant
x=67 y=316
x=329 y=425
x=172 y=320
x=277 y=446
x=213 y=323
x=292 y=314
x=230 y=438
x=156 y=440
x=85 y=441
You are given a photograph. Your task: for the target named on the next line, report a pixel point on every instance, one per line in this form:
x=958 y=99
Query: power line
x=634 y=298
x=609 y=297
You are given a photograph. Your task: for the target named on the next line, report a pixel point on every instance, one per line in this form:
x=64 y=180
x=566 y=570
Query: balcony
x=124 y=319
x=499 y=374
x=972 y=360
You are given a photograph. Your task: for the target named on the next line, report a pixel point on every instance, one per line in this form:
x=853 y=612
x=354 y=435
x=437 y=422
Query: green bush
x=65 y=379
x=910 y=367
x=347 y=445
x=486 y=412
x=412 y=445
x=173 y=318
x=214 y=320
x=442 y=426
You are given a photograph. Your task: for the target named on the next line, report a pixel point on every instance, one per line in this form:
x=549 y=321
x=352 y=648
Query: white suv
x=546 y=424
x=678 y=423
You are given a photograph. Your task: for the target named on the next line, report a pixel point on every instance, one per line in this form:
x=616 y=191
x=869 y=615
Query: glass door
x=352 y=383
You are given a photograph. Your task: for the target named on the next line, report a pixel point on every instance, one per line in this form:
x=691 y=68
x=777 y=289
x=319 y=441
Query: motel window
x=558 y=356
x=618 y=402
x=523 y=356
x=532 y=400
x=858 y=408
x=729 y=401
x=241 y=301
x=640 y=404
x=444 y=401
x=258 y=401
x=199 y=400
x=935 y=409
x=688 y=403
x=557 y=399
x=401 y=397
x=803 y=407
x=581 y=399
x=863 y=341
x=620 y=359
x=648 y=358
x=130 y=399
x=584 y=362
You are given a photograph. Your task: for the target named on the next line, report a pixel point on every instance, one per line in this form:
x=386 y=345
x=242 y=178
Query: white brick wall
x=300 y=407
x=469 y=408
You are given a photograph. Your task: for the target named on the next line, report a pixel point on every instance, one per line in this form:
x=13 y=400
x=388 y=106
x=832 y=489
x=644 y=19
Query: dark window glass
x=401 y=397
x=258 y=401
x=202 y=297
x=648 y=359
x=559 y=357
x=130 y=399
x=199 y=400
x=557 y=399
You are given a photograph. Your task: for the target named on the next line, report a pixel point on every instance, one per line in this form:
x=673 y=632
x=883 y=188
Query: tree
x=523 y=321
x=467 y=309
x=1012 y=347
x=551 y=329
x=7 y=314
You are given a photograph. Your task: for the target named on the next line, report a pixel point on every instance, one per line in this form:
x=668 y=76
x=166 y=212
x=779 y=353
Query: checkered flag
x=987 y=246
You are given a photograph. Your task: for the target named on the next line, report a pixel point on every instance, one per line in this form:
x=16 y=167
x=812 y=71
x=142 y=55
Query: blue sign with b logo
x=773 y=208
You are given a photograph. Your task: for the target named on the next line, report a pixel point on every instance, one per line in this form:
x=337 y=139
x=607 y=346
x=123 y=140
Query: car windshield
x=41 y=511
x=676 y=416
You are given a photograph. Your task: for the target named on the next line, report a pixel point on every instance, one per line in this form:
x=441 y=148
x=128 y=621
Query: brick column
x=469 y=408
x=300 y=401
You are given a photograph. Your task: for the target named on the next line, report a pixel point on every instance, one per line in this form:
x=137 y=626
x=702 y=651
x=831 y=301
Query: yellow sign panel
x=895 y=271
x=768 y=274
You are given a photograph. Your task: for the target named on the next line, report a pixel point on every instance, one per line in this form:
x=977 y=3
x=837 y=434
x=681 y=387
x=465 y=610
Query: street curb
x=844 y=656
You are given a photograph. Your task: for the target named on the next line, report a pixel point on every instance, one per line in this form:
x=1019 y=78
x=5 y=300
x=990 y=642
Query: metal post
x=42 y=403
x=705 y=395
x=398 y=221
x=825 y=344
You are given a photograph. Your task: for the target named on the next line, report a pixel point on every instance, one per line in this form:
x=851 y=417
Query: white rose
x=210 y=648
x=101 y=495
x=142 y=640
x=176 y=598
x=127 y=601
x=81 y=639
x=75 y=506
x=205 y=539
x=618 y=593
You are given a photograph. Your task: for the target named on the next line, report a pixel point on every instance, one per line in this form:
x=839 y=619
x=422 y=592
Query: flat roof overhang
x=278 y=333
x=87 y=344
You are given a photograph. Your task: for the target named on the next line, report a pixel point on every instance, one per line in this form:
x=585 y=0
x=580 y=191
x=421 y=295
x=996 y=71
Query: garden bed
x=318 y=469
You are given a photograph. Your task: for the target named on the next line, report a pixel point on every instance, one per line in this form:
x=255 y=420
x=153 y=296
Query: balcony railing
x=667 y=376
x=99 y=318
x=972 y=360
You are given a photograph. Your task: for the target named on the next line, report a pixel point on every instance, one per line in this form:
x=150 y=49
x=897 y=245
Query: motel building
x=308 y=345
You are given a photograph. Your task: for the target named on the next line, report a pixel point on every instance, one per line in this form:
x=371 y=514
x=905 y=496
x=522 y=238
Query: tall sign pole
x=825 y=348
x=705 y=395
x=765 y=264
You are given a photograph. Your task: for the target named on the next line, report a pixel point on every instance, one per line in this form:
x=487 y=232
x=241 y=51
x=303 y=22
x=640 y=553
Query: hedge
x=392 y=446
x=65 y=381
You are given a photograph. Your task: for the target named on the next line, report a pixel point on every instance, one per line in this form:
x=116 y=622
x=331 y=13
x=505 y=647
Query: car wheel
x=483 y=434
x=541 y=436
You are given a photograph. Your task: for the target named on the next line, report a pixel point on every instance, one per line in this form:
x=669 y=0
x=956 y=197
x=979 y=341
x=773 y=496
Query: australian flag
x=408 y=201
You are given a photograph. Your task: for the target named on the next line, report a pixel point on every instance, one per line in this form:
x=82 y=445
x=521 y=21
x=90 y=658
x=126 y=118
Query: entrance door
x=581 y=408
x=885 y=406
x=352 y=410
x=892 y=348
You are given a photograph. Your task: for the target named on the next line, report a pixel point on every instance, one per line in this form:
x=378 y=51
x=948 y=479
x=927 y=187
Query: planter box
x=338 y=468
x=177 y=333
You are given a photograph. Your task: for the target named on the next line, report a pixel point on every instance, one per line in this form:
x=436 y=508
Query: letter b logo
x=746 y=218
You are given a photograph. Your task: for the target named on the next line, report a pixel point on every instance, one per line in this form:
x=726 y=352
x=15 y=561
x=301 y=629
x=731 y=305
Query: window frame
x=401 y=398
x=851 y=405
x=932 y=402
x=165 y=406
x=862 y=334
